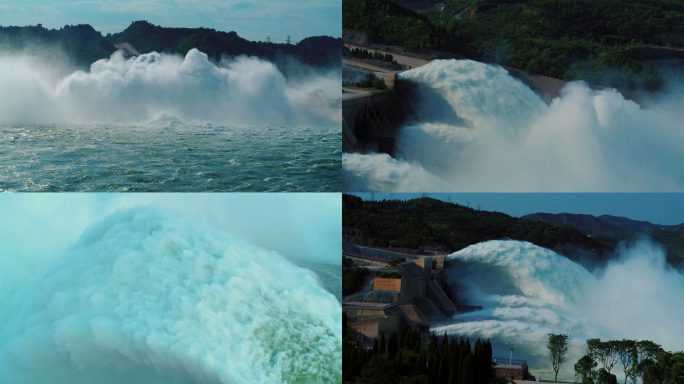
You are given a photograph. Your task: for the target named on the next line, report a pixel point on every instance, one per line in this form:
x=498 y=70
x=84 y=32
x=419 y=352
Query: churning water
x=171 y=123
x=147 y=296
x=528 y=292
x=482 y=130
x=168 y=157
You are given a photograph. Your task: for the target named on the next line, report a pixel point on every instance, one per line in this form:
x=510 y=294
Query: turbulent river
x=480 y=129
x=147 y=296
x=160 y=122
x=528 y=292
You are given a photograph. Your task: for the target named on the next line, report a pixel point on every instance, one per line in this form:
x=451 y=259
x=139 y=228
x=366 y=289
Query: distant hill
x=613 y=229
x=147 y=37
x=427 y=222
x=83 y=45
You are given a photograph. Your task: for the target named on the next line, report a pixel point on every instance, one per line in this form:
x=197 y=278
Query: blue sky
x=666 y=208
x=251 y=19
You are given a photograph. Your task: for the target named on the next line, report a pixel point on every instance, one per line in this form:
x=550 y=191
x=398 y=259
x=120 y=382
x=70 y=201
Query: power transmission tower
x=469 y=204
x=288 y=39
x=268 y=39
x=423 y=195
x=448 y=199
x=391 y=196
x=372 y=197
x=478 y=207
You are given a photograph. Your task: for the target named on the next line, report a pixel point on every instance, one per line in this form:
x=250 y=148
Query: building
x=517 y=369
x=414 y=301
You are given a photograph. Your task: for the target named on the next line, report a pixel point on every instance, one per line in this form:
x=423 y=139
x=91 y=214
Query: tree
x=558 y=346
x=624 y=350
x=583 y=369
x=467 y=376
x=376 y=348
x=381 y=346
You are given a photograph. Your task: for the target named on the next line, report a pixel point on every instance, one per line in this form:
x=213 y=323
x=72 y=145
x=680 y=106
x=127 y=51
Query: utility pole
x=288 y=39
x=268 y=38
x=511 y=361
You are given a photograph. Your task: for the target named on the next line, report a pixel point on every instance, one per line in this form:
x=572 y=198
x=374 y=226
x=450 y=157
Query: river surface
x=169 y=156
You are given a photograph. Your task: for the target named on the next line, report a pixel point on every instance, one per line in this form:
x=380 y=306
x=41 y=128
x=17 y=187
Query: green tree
x=583 y=369
x=558 y=346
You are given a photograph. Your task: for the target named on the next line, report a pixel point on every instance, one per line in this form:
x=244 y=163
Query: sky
x=665 y=208
x=302 y=226
x=251 y=19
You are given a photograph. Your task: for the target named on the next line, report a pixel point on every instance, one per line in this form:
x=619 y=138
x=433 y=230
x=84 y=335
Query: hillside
x=428 y=222
x=611 y=230
x=425 y=222
x=603 y=42
x=147 y=37
x=81 y=44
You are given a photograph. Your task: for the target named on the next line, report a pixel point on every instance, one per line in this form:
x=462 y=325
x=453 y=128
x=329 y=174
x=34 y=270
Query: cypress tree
x=443 y=375
x=399 y=360
x=420 y=364
x=445 y=343
x=392 y=345
x=477 y=362
x=401 y=339
x=416 y=343
x=466 y=376
x=452 y=375
x=376 y=349
x=382 y=343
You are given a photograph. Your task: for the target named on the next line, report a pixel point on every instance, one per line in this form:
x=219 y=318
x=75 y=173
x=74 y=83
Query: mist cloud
x=243 y=90
x=482 y=129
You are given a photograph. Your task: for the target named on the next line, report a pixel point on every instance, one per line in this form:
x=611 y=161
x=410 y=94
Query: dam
x=371 y=119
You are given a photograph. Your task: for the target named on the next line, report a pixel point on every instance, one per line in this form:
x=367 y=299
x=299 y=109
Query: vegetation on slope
x=598 y=41
x=82 y=44
x=147 y=37
x=428 y=222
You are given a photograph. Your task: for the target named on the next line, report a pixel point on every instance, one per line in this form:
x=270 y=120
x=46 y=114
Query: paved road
x=350 y=93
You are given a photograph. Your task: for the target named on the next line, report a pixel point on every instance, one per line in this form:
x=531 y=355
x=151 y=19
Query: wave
x=481 y=129
x=528 y=292
x=242 y=90
x=144 y=296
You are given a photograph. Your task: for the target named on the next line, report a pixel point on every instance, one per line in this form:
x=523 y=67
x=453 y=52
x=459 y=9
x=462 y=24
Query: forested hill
x=429 y=222
x=147 y=37
x=604 y=42
x=82 y=45
x=613 y=229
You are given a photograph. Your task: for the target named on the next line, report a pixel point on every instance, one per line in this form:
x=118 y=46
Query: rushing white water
x=242 y=90
x=528 y=292
x=482 y=129
x=149 y=296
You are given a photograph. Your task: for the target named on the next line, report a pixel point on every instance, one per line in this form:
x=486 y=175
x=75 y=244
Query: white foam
x=147 y=297
x=483 y=130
